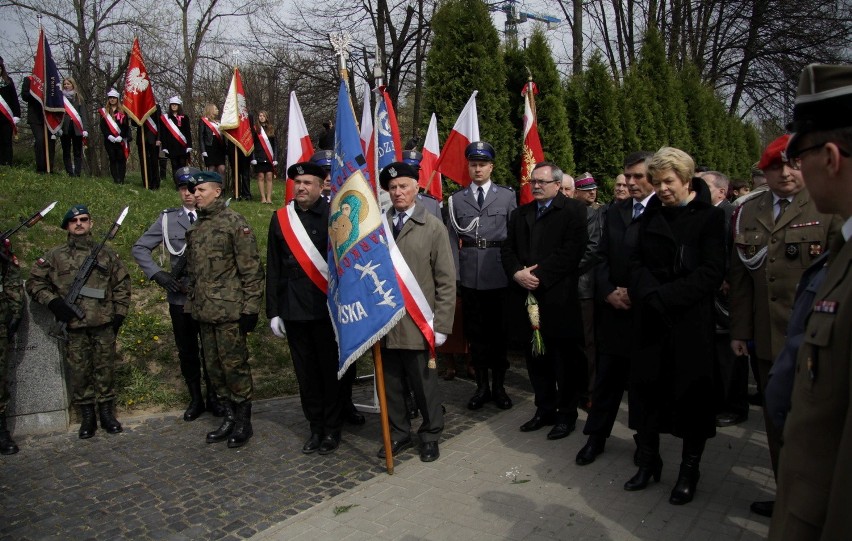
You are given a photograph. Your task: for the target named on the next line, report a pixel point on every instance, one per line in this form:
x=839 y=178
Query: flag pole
x=383 y=409
x=46 y=141
x=144 y=156
x=236 y=175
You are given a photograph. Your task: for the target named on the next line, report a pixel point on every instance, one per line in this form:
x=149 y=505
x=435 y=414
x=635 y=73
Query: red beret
x=773 y=151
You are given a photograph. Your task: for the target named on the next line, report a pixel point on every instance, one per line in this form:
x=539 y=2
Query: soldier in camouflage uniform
x=90 y=350
x=225 y=294
x=11 y=306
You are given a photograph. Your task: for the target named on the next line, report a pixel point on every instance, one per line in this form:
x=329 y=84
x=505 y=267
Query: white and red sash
x=7 y=112
x=74 y=115
x=115 y=129
x=151 y=125
x=303 y=249
x=175 y=131
x=214 y=127
x=266 y=145
x=415 y=301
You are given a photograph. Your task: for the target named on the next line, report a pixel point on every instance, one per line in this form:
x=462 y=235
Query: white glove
x=440 y=338
x=254 y=162
x=59 y=132
x=274 y=163
x=203 y=154
x=16 y=119
x=85 y=133
x=189 y=150
x=277 y=327
x=118 y=139
x=166 y=152
x=111 y=138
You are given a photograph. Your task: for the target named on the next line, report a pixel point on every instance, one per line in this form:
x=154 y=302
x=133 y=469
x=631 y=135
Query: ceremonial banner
x=531 y=153
x=430 y=178
x=452 y=162
x=299 y=147
x=364 y=298
x=385 y=146
x=235 y=118
x=139 y=102
x=46 y=85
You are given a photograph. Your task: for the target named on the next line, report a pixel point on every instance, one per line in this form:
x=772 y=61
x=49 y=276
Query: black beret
x=397 y=170
x=306 y=168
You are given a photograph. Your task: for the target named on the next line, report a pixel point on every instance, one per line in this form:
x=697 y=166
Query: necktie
x=541 y=210
x=400 y=221
x=782 y=206
x=637 y=210
x=480 y=197
x=191 y=218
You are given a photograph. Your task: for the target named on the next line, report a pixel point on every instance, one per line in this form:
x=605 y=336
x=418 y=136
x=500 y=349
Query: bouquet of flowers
x=532 y=312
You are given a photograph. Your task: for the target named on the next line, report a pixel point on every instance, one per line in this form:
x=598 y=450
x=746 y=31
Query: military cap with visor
x=479 y=151
x=183 y=175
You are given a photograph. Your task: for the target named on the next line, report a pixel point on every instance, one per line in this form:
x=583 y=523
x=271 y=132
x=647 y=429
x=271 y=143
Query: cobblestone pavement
x=159 y=480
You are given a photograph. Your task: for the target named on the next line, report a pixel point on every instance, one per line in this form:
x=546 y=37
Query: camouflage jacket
x=11 y=288
x=53 y=275
x=225 y=272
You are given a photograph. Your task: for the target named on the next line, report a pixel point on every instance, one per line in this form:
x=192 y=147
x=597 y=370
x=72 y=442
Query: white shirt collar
x=644 y=202
x=407 y=213
x=188 y=210
x=776 y=198
x=486 y=187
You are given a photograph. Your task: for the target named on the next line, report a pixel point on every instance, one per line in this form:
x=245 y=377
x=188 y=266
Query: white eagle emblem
x=137 y=81
x=241 y=106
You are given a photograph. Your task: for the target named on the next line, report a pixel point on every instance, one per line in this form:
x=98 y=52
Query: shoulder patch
x=41 y=262
x=246 y=230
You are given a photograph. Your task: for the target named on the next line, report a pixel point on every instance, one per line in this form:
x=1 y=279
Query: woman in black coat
x=9 y=117
x=676 y=268
x=115 y=128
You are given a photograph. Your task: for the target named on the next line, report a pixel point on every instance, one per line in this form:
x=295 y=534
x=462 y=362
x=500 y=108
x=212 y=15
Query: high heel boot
x=650 y=463
x=687 y=480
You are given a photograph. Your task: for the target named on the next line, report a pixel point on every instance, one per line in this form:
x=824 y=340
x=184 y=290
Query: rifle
x=34 y=219
x=179 y=270
x=83 y=275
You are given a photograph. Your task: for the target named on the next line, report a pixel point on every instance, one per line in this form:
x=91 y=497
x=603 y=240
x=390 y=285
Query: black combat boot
x=88 y=424
x=108 y=420
x=7 y=444
x=214 y=406
x=196 y=401
x=242 y=431
x=227 y=426
x=650 y=463
x=483 y=391
x=687 y=479
x=501 y=399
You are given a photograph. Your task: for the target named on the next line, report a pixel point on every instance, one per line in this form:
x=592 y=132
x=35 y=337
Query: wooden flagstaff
x=46 y=141
x=144 y=156
x=236 y=174
x=383 y=406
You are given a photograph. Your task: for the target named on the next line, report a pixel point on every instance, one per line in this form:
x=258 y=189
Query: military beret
x=183 y=175
x=772 y=154
x=823 y=100
x=412 y=157
x=323 y=158
x=479 y=151
x=306 y=168
x=76 y=210
x=396 y=170
x=586 y=182
x=202 y=177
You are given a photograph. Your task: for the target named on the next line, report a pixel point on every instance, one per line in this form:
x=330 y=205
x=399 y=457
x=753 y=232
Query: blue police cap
x=323 y=158
x=412 y=157
x=479 y=151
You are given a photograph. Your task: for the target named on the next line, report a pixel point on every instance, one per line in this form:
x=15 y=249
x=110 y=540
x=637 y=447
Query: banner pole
x=236 y=175
x=383 y=406
x=144 y=155
x=46 y=144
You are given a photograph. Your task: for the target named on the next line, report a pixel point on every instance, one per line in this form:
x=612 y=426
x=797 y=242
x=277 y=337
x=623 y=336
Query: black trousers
x=38 y=142
x=731 y=373
x=72 y=153
x=152 y=162
x=412 y=364
x=485 y=327
x=190 y=354
x=117 y=161
x=178 y=162
x=611 y=379
x=314 y=351
x=6 y=142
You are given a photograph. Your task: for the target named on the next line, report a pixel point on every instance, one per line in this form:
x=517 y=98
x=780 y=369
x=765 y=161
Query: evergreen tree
x=572 y=91
x=643 y=127
x=466 y=56
x=516 y=77
x=702 y=117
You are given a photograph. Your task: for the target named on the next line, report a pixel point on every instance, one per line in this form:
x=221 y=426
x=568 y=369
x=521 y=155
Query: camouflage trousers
x=4 y=369
x=90 y=354
x=226 y=354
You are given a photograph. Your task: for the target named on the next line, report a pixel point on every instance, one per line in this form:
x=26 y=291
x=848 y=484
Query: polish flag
x=235 y=123
x=139 y=101
x=452 y=162
x=531 y=153
x=430 y=179
x=299 y=147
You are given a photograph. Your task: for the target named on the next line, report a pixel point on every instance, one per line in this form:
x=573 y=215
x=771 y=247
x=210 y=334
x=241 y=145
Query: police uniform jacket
x=481 y=267
x=815 y=474
x=225 y=272
x=432 y=205
x=424 y=245
x=170 y=227
x=290 y=294
x=107 y=292
x=761 y=299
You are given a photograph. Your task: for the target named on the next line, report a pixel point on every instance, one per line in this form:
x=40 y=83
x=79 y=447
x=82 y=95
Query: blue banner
x=364 y=298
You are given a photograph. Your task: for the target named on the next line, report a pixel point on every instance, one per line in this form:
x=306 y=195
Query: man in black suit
x=542 y=253
x=615 y=331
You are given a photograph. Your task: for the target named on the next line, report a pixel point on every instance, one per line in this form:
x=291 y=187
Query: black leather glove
x=12 y=327
x=167 y=282
x=117 y=322
x=61 y=310
x=247 y=323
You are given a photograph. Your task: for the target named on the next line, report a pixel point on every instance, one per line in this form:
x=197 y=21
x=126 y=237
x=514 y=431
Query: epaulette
x=503 y=186
x=430 y=196
x=174 y=209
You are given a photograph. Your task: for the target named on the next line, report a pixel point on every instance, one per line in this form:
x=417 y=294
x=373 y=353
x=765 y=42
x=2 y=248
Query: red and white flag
x=531 y=153
x=235 y=118
x=430 y=178
x=452 y=162
x=299 y=147
x=139 y=101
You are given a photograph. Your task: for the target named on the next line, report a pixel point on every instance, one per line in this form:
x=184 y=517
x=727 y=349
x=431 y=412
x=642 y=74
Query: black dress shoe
x=730 y=419
x=429 y=451
x=354 y=417
x=590 y=451
x=396 y=447
x=537 y=422
x=329 y=443
x=763 y=509
x=561 y=430
x=313 y=444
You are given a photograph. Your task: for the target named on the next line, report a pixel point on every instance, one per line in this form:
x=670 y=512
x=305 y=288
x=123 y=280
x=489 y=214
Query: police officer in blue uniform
x=432 y=205
x=478 y=225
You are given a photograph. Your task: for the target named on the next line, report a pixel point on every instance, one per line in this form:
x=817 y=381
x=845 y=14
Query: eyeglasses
x=81 y=219
x=793 y=159
x=540 y=182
